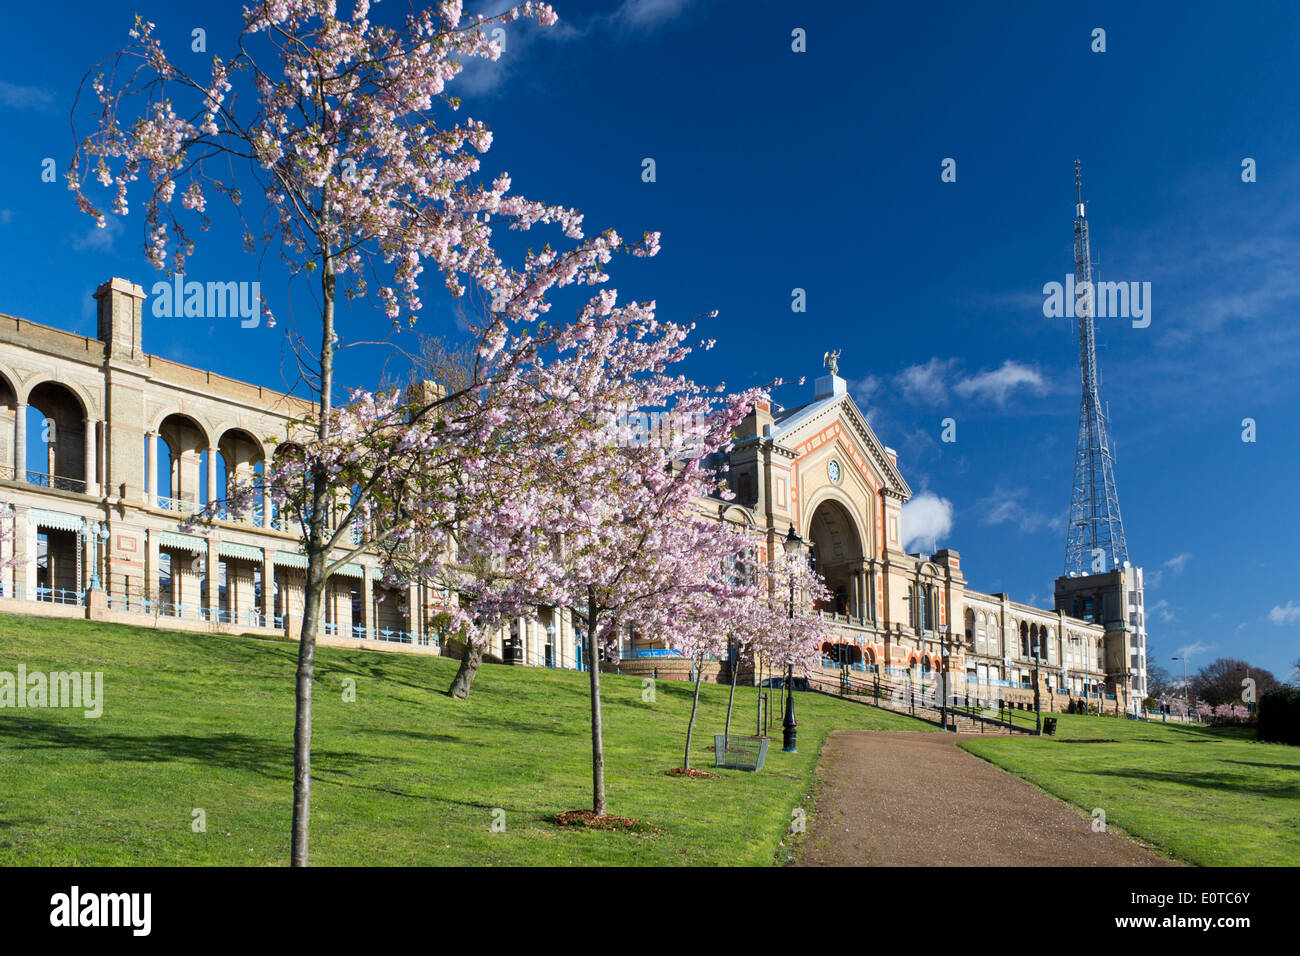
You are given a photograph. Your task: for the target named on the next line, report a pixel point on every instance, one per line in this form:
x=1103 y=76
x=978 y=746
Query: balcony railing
x=179 y=505
x=42 y=480
x=58 y=596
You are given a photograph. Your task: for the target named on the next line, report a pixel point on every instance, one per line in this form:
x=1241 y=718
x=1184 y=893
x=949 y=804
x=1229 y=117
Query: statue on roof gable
x=832 y=361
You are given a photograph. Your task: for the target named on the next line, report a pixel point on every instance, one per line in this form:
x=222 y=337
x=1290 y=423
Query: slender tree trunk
x=731 y=698
x=302 y=717
x=597 y=738
x=316 y=560
x=695 y=704
x=468 y=670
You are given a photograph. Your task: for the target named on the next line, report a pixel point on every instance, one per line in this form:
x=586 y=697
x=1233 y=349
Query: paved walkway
x=904 y=798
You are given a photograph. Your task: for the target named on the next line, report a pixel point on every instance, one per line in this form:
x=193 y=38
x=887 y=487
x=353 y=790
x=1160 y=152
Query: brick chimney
x=121 y=307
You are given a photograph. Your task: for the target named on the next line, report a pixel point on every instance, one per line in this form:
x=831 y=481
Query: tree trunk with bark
x=302 y=717
x=731 y=698
x=695 y=705
x=317 y=528
x=597 y=739
x=468 y=670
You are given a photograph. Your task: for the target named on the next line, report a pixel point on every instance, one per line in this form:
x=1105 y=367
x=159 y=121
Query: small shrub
x=1279 y=716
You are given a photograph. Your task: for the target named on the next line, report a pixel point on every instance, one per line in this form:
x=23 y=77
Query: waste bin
x=1049 y=726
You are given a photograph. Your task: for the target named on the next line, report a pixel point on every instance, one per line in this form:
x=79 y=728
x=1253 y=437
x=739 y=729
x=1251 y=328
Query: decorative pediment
x=838 y=418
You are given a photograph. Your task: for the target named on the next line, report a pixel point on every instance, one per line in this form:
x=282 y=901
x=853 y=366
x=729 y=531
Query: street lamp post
x=943 y=676
x=1038 y=697
x=97 y=533
x=792 y=544
x=1187 y=712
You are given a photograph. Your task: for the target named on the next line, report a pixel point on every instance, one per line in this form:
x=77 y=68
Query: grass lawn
x=1207 y=796
x=403 y=775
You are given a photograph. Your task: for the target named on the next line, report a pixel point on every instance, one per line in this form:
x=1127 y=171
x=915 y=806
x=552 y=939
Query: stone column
x=368 y=603
x=268 y=589
x=212 y=477
x=151 y=469
x=92 y=472
x=211 y=584
x=20 y=441
x=150 y=583
x=25 y=552
x=414 y=615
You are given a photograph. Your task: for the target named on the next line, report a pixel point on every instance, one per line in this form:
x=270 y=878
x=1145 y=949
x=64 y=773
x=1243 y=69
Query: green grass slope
x=1209 y=797
x=403 y=775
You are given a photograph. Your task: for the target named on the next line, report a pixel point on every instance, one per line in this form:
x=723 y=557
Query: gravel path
x=901 y=798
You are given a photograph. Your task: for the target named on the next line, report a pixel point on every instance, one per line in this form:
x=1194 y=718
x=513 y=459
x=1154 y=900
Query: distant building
x=820 y=467
x=1114 y=600
x=132 y=443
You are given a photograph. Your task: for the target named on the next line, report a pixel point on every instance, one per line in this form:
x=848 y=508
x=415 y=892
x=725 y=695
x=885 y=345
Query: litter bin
x=1049 y=726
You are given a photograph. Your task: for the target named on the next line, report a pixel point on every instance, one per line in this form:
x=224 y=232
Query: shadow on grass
x=1233 y=783
x=1291 y=767
x=232 y=751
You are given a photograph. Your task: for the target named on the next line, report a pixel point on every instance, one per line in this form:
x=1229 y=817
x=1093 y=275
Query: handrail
x=911 y=699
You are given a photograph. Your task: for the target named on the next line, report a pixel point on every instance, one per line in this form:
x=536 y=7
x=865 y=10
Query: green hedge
x=1279 y=715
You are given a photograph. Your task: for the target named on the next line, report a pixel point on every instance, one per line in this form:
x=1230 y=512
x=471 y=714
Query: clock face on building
x=833 y=471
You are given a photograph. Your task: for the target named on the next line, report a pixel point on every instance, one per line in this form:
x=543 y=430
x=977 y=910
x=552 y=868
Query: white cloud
x=929 y=383
x=1161 y=608
x=926 y=517
x=1285 y=615
x=863 y=388
x=1174 y=566
x=97 y=239
x=648 y=14
x=481 y=77
x=25 y=97
x=925 y=383
x=1191 y=650
x=1004 y=506
x=998 y=384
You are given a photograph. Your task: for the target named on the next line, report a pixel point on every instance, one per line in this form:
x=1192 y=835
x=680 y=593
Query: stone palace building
x=129 y=443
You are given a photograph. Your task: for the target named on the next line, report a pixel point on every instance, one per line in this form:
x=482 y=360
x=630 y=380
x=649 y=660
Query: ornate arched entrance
x=837 y=551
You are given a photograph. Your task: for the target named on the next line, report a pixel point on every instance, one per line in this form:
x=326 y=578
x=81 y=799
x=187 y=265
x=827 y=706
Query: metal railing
x=179 y=505
x=58 y=596
x=918 y=699
x=59 y=483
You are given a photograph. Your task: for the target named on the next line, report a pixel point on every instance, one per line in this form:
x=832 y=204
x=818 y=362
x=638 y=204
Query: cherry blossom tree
x=331 y=121
x=754 y=614
x=705 y=620
x=638 y=549
x=784 y=629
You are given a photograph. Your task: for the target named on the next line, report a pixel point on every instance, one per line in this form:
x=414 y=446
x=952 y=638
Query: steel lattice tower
x=1095 y=541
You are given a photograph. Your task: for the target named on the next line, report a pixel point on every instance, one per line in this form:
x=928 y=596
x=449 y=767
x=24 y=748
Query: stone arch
x=240 y=453
x=186 y=442
x=203 y=426
x=8 y=421
x=839 y=548
x=56 y=417
x=282 y=451
x=730 y=511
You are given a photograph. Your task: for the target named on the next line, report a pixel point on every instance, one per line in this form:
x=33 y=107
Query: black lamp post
x=1187 y=716
x=1038 y=709
x=943 y=676
x=792 y=544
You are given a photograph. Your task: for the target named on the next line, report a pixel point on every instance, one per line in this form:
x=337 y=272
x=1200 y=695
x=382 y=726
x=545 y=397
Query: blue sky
x=821 y=170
